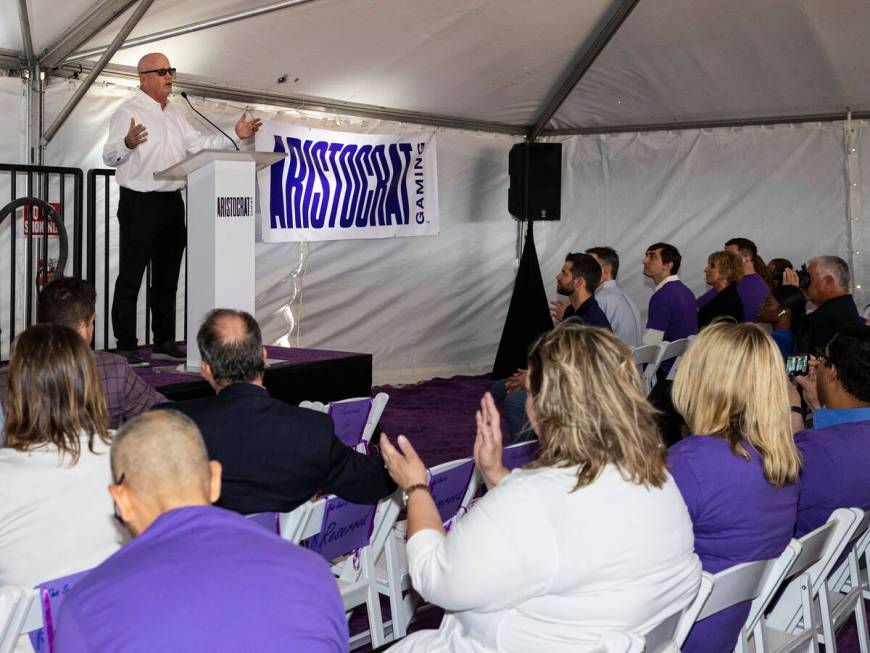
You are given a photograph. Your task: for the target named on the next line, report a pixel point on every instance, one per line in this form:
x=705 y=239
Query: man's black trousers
x=151 y=229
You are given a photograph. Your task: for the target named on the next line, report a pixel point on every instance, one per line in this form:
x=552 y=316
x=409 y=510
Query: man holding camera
x=828 y=289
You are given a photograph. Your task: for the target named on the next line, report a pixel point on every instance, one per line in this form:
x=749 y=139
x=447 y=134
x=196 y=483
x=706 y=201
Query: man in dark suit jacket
x=275 y=456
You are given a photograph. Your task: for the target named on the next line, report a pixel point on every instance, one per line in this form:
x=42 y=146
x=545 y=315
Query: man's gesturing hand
x=247 y=128
x=135 y=135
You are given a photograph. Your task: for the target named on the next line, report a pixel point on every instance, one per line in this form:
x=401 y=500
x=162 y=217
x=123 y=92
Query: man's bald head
x=162 y=456
x=151 y=61
x=157 y=87
x=231 y=344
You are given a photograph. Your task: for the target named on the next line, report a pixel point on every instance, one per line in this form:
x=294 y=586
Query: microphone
x=184 y=95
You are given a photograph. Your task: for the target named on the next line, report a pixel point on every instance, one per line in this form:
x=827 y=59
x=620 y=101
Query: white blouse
x=536 y=567
x=55 y=519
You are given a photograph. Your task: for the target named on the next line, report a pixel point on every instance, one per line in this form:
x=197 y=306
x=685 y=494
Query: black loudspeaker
x=535 y=171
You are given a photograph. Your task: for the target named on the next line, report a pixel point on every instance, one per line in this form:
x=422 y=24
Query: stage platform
x=294 y=376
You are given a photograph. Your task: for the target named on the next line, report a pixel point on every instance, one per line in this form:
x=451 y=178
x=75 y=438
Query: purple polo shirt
x=835 y=473
x=202 y=578
x=737 y=516
x=672 y=309
x=752 y=290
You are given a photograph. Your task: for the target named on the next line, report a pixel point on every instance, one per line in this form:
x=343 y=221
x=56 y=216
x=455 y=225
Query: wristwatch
x=417 y=486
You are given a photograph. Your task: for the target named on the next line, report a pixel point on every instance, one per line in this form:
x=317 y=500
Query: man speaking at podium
x=148 y=134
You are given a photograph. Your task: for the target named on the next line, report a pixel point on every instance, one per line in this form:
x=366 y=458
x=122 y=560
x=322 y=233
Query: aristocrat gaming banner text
x=335 y=185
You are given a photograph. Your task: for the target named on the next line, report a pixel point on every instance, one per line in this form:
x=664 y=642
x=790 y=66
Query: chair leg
x=373 y=600
x=860 y=608
x=394 y=588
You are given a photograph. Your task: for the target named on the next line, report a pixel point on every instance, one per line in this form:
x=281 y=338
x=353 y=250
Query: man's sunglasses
x=162 y=72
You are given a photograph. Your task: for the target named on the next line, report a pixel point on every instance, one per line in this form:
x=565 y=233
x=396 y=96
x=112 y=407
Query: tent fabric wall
x=784 y=187
x=435 y=306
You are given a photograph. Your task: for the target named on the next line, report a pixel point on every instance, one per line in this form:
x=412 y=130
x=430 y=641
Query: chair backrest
x=690 y=616
x=648 y=358
x=453 y=487
x=268 y=520
x=51 y=595
x=619 y=642
x=517 y=455
x=355 y=419
x=782 y=571
x=661 y=638
x=345 y=527
x=14 y=604
x=674 y=351
x=818 y=559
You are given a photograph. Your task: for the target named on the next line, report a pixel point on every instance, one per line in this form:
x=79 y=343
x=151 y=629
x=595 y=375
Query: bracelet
x=798 y=410
x=417 y=486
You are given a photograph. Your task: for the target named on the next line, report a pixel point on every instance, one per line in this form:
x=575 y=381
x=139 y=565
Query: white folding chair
x=392 y=569
x=674 y=351
x=619 y=642
x=355 y=574
x=843 y=594
x=648 y=358
x=661 y=638
x=737 y=584
x=14 y=606
x=376 y=406
x=792 y=624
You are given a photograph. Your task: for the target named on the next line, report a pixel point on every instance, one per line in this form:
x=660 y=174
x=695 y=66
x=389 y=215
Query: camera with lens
x=803 y=276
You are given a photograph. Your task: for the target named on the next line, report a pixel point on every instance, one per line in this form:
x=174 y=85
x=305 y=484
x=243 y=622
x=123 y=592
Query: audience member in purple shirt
x=672 y=313
x=836 y=452
x=197 y=577
x=739 y=487
x=752 y=288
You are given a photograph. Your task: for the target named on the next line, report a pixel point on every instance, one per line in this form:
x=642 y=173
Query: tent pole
x=96 y=70
x=705 y=124
x=24 y=22
x=193 y=27
x=303 y=103
x=77 y=35
x=587 y=58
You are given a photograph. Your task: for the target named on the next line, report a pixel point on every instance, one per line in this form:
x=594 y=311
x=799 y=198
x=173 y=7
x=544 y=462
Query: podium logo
x=331 y=185
x=235 y=207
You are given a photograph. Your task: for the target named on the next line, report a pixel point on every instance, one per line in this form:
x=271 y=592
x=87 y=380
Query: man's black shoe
x=133 y=358
x=168 y=351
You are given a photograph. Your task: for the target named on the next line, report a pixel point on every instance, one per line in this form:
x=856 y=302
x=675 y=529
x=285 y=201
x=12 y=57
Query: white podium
x=220 y=233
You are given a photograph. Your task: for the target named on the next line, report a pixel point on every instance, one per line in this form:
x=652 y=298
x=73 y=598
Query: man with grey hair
x=275 y=456
x=148 y=134
x=829 y=291
x=196 y=577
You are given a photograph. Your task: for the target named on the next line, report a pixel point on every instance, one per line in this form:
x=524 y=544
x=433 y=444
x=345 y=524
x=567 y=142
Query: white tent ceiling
x=670 y=62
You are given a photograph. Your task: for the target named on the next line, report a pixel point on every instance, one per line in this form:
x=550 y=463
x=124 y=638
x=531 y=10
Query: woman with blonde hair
x=724 y=272
x=591 y=536
x=55 y=517
x=738 y=474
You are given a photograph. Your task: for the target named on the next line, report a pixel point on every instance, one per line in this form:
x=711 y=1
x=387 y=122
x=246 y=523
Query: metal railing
x=48 y=184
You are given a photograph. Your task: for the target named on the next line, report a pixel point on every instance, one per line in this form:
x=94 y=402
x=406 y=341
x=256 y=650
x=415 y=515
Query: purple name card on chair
x=449 y=488
x=51 y=596
x=268 y=520
x=350 y=419
x=519 y=454
x=346 y=527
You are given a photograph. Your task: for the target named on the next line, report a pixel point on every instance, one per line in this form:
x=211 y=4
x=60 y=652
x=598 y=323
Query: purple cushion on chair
x=350 y=419
x=51 y=595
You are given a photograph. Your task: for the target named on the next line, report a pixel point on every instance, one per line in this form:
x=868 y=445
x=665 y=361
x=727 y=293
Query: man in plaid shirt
x=72 y=303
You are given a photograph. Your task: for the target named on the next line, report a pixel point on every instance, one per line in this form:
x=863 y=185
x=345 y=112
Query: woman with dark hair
x=55 y=518
x=591 y=536
x=785 y=310
x=724 y=271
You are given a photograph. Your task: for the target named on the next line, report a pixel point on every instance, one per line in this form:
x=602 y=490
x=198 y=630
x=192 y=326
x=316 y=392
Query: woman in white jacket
x=55 y=514
x=592 y=536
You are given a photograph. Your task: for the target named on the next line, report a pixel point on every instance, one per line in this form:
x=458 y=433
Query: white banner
x=336 y=185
